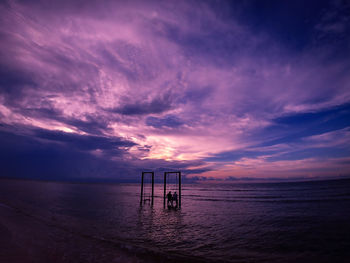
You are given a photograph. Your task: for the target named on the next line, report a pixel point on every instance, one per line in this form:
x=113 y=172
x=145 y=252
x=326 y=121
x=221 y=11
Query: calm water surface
x=269 y=222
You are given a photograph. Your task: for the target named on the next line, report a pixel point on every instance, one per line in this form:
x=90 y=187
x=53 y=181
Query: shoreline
x=26 y=239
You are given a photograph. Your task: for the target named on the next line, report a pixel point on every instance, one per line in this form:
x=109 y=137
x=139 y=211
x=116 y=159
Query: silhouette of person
x=175 y=198
x=170 y=199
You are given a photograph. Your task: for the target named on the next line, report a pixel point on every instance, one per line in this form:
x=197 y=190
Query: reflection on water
x=236 y=222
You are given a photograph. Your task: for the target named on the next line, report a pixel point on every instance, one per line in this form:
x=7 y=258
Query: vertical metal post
x=141 y=188
x=179 y=189
x=152 y=186
x=164 y=188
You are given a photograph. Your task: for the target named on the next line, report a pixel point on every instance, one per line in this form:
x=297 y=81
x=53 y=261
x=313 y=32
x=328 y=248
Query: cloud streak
x=204 y=89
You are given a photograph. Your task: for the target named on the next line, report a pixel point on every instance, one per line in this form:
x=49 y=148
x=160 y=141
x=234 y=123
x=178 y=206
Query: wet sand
x=25 y=239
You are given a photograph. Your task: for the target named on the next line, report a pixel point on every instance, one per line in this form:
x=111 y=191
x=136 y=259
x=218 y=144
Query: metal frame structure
x=179 y=184
x=142 y=179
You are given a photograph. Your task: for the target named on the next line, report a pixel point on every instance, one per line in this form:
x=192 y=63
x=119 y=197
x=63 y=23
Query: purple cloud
x=203 y=89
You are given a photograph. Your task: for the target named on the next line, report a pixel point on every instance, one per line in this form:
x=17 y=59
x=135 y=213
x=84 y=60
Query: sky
x=220 y=90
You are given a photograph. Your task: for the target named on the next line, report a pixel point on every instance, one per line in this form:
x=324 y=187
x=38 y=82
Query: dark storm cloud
x=92 y=125
x=41 y=154
x=12 y=83
x=154 y=106
x=25 y=156
x=168 y=121
x=83 y=142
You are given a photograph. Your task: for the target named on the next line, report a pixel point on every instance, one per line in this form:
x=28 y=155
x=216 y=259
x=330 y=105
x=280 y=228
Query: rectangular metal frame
x=142 y=179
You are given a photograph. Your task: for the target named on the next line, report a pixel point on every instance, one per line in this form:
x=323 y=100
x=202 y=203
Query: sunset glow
x=185 y=85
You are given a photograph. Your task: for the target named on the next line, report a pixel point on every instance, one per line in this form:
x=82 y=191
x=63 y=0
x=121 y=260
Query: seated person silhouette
x=170 y=199
x=175 y=198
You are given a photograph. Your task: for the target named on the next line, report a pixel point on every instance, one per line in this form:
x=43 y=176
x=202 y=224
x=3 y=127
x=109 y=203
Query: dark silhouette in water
x=174 y=199
x=170 y=199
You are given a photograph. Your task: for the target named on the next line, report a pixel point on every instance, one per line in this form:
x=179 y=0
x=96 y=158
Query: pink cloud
x=116 y=65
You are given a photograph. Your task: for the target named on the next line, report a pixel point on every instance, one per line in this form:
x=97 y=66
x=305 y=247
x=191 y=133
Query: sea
x=224 y=222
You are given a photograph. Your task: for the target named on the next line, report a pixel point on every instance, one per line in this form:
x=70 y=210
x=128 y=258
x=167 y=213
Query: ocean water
x=241 y=222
